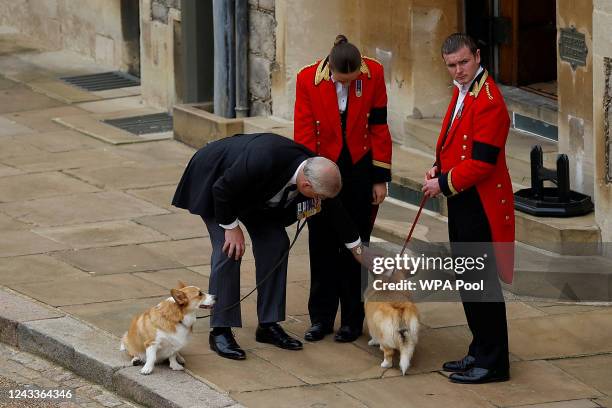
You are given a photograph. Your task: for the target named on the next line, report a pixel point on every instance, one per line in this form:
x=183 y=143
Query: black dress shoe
x=346 y=334
x=476 y=375
x=225 y=345
x=275 y=334
x=317 y=331
x=459 y=366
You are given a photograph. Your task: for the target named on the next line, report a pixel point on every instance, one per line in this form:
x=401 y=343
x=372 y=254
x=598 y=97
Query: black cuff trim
x=485 y=152
x=443 y=181
x=380 y=175
x=378 y=116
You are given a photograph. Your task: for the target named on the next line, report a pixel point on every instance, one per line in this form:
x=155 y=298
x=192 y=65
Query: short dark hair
x=456 y=41
x=344 y=57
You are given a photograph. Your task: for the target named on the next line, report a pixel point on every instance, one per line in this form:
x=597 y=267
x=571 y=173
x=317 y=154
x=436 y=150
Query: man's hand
x=432 y=173
x=379 y=192
x=431 y=188
x=234 y=243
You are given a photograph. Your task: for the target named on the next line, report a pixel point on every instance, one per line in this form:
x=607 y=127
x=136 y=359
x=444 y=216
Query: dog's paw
x=180 y=358
x=373 y=342
x=386 y=364
x=177 y=367
x=137 y=361
x=146 y=370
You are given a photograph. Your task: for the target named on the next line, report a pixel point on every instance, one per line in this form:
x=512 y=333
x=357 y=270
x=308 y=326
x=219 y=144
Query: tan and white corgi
x=162 y=331
x=393 y=322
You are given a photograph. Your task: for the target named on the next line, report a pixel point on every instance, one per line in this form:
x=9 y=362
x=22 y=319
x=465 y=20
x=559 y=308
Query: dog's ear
x=181 y=284
x=179 y=297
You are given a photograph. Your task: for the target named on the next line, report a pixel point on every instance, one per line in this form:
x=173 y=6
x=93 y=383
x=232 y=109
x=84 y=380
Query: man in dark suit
x=259 y=180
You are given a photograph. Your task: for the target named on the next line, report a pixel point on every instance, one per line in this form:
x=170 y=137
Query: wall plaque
x=572 y=47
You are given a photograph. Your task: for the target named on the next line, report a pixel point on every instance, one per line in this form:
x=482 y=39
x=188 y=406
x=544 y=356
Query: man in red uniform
x=471 y=171
x=341 y=114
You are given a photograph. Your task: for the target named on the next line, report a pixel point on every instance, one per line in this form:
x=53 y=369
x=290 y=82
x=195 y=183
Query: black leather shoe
x=224 y=344
x=276 y=335
x=346 y=334
x=476 y=375
x=317 y=331
x=459 y=366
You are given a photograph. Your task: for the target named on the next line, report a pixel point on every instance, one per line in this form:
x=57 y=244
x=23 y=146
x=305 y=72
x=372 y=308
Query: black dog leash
x=300 y=226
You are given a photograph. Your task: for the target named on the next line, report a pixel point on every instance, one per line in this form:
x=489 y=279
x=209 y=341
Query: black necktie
x=283 y=201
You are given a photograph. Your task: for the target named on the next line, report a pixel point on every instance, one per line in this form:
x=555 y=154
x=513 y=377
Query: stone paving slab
x=161 y=196
x=9 y=224
x=16 y=243
x=101 y=234
x=582 y=403
x=299 y=397
x=188 y=252
x=9 y=171
x=42 y=161
x=20 y=98
x=62 y=91
x=10 y=128
x=169 y=278
x=36 y=268
x=118 y=259
x=232 y=375
x=177 y=225
x=593 y=371
x=168 y=389
x=113 y=316
x=561 y=335
x=164 y=151
x=61 y=141
x=113 y=105
x=535 y=382
x=41 y=120
x=32 y=186
x=414 y=391
x=16 y=309
x=90 y=290
x=76 y=209
x=128 y=177
x=11 y=146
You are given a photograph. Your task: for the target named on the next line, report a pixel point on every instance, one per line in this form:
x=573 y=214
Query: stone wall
x=92 y=28
x=262 y=55
x=575 y=91
x=602 y=115
x=405 y=35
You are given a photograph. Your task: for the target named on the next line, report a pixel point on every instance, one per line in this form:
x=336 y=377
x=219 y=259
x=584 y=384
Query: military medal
x=308 y=208
x=358 y=88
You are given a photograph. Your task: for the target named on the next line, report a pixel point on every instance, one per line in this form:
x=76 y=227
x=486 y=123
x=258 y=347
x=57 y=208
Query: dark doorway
x=130 y=28
x=198 y=50
x=517 y=40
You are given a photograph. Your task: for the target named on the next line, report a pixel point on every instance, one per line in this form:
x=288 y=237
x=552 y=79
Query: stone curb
x=94 y=355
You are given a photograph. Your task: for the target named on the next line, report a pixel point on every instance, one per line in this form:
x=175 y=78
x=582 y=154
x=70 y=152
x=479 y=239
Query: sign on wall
x=572 y=47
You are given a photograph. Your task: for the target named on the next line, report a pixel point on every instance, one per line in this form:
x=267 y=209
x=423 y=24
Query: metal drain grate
x=145 y=124
x=103 y=81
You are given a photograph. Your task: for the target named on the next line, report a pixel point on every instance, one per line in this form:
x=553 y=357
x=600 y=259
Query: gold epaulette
x=477 y=87
x=307 y=66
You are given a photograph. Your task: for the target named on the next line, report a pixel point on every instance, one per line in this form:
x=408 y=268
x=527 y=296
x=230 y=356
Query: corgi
x=162 y=331
x=393 y=325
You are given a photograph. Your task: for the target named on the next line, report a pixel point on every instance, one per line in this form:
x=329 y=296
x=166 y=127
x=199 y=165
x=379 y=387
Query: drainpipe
x=225 y=58
x=242 y=45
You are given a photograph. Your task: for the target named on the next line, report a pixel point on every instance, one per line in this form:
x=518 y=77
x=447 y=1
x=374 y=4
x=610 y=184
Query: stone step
x=538 y=272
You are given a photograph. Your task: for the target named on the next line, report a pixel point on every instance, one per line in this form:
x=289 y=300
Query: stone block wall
x=262 y=55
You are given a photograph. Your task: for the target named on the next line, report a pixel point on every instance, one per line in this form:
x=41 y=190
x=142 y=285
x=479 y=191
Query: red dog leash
x=414 y=223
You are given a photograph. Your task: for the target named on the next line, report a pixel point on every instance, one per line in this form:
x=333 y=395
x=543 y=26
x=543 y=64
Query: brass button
x=464 y=137
x=503 y=201
x=318 y=132
x=507 y=217
x=464 y=147
x=365 y=148
x=368 y=115
x=365 y=136
x=499 y=186
x=318 y=143
x=366 y=125
x=461 y=190
x=318 y=122
x=462 y=157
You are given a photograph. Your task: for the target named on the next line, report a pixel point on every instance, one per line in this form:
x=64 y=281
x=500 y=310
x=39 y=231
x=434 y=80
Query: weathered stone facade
x=262 y=55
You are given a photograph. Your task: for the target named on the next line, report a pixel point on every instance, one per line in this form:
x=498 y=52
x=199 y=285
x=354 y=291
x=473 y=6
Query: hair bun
x=340 y=39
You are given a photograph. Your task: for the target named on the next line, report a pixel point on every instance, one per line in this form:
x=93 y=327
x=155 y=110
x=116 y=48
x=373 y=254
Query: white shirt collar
x=466 y=87
x=294 y=178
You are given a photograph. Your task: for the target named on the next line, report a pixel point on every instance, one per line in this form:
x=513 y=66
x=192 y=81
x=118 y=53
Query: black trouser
x=485 y=311
x=335 y=275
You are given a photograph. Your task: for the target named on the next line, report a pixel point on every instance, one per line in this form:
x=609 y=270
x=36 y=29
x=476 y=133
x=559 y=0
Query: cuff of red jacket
x=446 y=184
x=381 y=172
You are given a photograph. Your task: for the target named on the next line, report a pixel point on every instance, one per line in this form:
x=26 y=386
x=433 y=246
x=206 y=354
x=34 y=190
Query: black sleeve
x=340 y=219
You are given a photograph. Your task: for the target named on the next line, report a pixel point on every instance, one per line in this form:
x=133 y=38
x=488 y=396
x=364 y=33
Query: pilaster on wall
x=602 y=115
x=160 y=39
x=262 y=55
x=575 y=97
